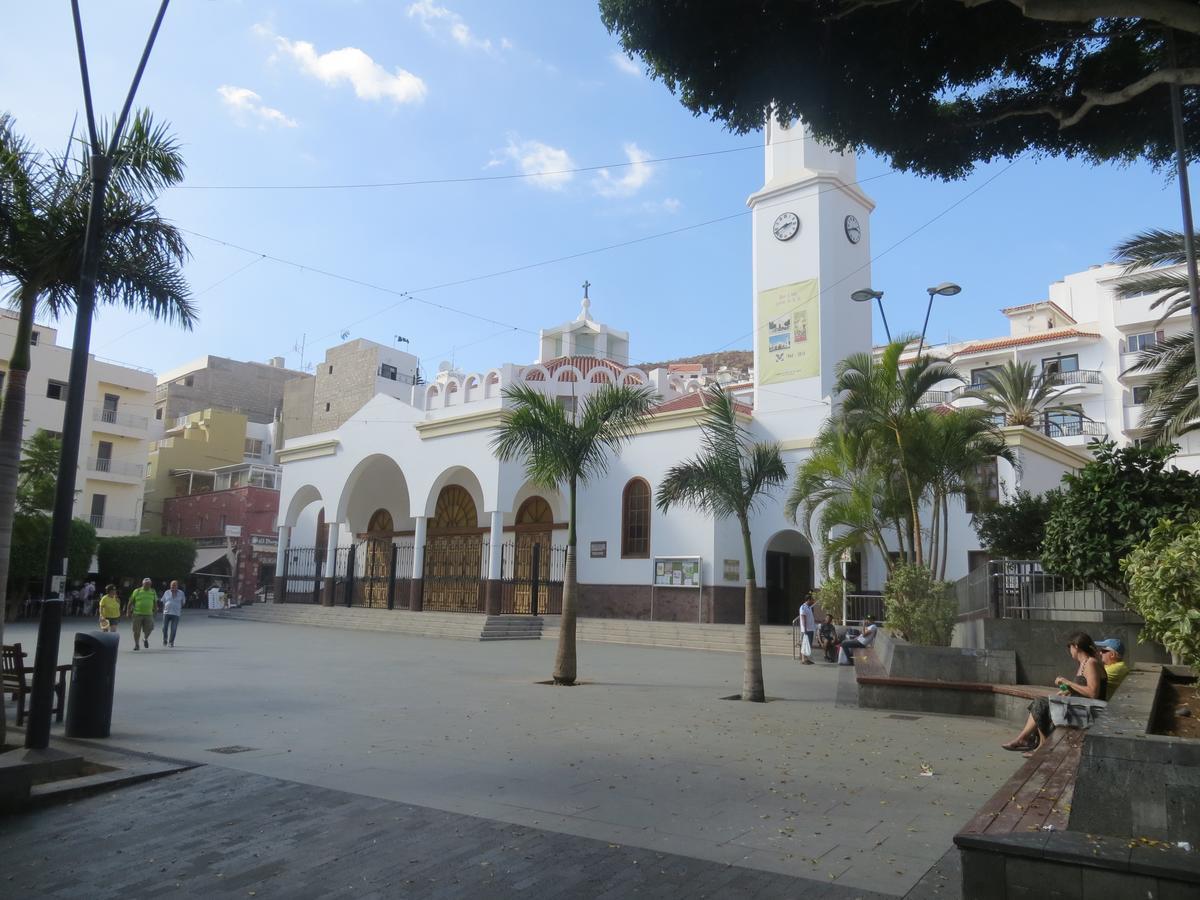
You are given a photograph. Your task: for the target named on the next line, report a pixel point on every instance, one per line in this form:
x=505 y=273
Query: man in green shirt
x=141 y=610
x=1112 y=652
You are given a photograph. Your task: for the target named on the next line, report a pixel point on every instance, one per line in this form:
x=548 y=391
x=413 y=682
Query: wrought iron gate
x=455 y=572
x=382 y=571
x=302 y=574
x=531 y=573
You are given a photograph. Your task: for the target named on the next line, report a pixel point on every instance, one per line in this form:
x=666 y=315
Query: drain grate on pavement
x=232 y=748
x=903 y=718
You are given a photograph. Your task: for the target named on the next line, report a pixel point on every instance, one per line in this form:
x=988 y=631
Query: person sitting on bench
x=862 y=642
x=1091 y=682
x=827 y=638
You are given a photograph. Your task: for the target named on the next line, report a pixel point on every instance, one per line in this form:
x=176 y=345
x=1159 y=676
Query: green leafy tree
x=1151 y=261
x=1110 y=506
x=38 y=473
x=918 y=607
x=1020 y=393
x=1016 y=529
x=727 y=480
x=43 y=221
x=568 y=447
x=30 y=547
x=935 y=87
x=1164 y=588
x=146 y=556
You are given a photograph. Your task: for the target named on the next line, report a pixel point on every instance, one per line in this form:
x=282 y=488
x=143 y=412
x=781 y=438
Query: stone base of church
x=328 y=586
x=416 y=597
x=719 y=605
x=492 y=596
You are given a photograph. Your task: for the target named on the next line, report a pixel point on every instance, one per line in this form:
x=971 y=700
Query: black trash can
x=93 y=677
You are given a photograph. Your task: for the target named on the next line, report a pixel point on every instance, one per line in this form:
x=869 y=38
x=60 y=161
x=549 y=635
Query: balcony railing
x=1063 y=429
x=936 y=398
x=114 y=466
x=1077 y=376
x=112 y=417
x=113 y=523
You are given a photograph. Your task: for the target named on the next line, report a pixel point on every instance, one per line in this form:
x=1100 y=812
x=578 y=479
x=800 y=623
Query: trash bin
x=93 y=677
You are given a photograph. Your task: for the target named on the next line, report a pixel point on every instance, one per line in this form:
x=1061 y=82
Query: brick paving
x=218 y=832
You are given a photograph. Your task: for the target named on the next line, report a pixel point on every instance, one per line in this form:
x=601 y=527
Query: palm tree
x=43 y=220
x=1173 y=407
x=568 y=447
x=728 y=479
x=843 y=495
x=1019 y=393
x=883 y=400
x=955 y=445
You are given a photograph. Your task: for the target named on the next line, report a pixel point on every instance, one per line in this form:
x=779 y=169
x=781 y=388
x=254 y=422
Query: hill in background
x=739 y=360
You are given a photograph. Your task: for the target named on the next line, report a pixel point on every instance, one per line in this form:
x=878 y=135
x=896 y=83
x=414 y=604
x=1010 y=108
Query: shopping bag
x=1074 y=712
x=805 y=645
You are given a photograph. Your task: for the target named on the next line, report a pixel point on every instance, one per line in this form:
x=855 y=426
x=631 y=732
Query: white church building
x=404 y=505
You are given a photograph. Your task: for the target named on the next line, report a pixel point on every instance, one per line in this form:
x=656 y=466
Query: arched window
x=635 y=520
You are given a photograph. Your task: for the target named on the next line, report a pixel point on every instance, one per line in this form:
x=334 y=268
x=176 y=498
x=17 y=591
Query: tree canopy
x=935 y=86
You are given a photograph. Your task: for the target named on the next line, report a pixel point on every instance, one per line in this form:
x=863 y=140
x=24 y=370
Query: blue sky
x=366 y=91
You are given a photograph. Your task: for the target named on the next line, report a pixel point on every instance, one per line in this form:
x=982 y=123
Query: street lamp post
x=866 y=295
x=945 y=289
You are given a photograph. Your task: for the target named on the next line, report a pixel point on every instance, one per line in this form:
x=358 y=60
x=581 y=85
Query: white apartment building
x=119 y=405
x=1087 y=338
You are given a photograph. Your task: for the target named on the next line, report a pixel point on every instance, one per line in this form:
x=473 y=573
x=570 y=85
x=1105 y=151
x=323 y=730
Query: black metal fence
x=455 y=575
x=302 y=575
x=1021 y=589
x=531 y=576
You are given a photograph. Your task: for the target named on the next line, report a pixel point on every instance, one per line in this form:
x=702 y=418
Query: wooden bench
x=1038 y=796
x=19 y=685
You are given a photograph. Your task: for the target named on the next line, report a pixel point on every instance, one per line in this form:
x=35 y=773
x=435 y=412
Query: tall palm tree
x=883 y=399
x=568 y=447
x=1173 y=407
x=43 y=221
x=1019 y=392
x=728 y=479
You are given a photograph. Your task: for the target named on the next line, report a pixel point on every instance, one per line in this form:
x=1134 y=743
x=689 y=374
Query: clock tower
x=812 y=249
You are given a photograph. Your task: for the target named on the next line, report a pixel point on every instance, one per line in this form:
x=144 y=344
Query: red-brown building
x=231 y=516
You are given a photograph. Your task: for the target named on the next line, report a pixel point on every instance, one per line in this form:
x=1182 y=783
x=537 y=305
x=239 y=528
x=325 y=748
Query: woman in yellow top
x=110 y=609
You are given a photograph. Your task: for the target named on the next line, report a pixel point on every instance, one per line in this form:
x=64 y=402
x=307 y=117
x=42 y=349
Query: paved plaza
x=644 y=755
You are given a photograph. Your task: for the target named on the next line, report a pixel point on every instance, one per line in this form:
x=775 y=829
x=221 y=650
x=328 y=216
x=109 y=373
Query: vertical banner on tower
x=789 y=332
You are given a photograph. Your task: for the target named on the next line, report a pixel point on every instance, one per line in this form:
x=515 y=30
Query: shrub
x=918 y=607
x=828 y=596
x=135 y=558
x=1164 y=587
x=1015 y=530
x=30 y=548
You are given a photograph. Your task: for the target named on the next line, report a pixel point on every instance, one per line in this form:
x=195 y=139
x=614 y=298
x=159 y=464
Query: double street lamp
x=945 y=289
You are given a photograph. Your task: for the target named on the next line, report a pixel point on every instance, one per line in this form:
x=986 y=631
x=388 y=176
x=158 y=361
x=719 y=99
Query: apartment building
x=119 y=405
x=215 y=382
x=1085 y=338
x=349 y=376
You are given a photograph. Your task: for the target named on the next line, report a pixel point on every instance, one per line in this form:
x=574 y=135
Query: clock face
x=786 y=226
x=853 y=230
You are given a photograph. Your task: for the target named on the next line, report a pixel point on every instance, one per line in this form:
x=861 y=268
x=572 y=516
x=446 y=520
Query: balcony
x=1076 y=377
x=123 y=420
x=1070 y=429
x=108 y=466
x=113 y=523
x=937 y=398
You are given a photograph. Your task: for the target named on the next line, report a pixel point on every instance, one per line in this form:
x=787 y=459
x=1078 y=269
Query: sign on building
x=789 y=332
x=233 y=531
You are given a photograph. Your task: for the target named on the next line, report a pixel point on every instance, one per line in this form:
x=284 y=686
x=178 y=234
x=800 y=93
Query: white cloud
x=635 y=176
x=370 y=80
x=246 y=104
x=668 y=205
x=442 y=21
x=534 y=157
x=625 y=64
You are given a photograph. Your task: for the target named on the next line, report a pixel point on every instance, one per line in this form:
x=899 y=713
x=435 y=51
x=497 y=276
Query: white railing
x=112 y=417
x=114 y=466
x=113 y=523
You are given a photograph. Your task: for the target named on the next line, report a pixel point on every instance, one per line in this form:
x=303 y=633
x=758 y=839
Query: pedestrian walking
x=89 y=597
x=172 y=607
x=808 y=626
x=110 y=609
x=141 y=609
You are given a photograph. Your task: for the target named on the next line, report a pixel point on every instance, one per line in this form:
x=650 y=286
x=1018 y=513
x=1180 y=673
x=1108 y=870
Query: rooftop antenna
x=299 y=348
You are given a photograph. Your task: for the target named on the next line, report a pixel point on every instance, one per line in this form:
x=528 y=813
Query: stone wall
x=345 y=381
x=297 y=419
x=722 y=604
x=1041 y=646
x=254 y=389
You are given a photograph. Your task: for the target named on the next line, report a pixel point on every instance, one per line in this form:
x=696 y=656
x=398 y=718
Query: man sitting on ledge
x=863 y=641
x=1112 y=653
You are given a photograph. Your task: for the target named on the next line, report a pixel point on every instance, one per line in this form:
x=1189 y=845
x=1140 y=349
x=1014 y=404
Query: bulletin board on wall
x=678 y=573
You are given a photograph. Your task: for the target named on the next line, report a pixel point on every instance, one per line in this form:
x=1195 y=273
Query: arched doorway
x=454 y=554
x=787 y=576
x=534 y=527
x=376 y=548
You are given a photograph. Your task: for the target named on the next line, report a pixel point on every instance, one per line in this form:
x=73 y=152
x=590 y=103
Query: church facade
x=405 y=506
